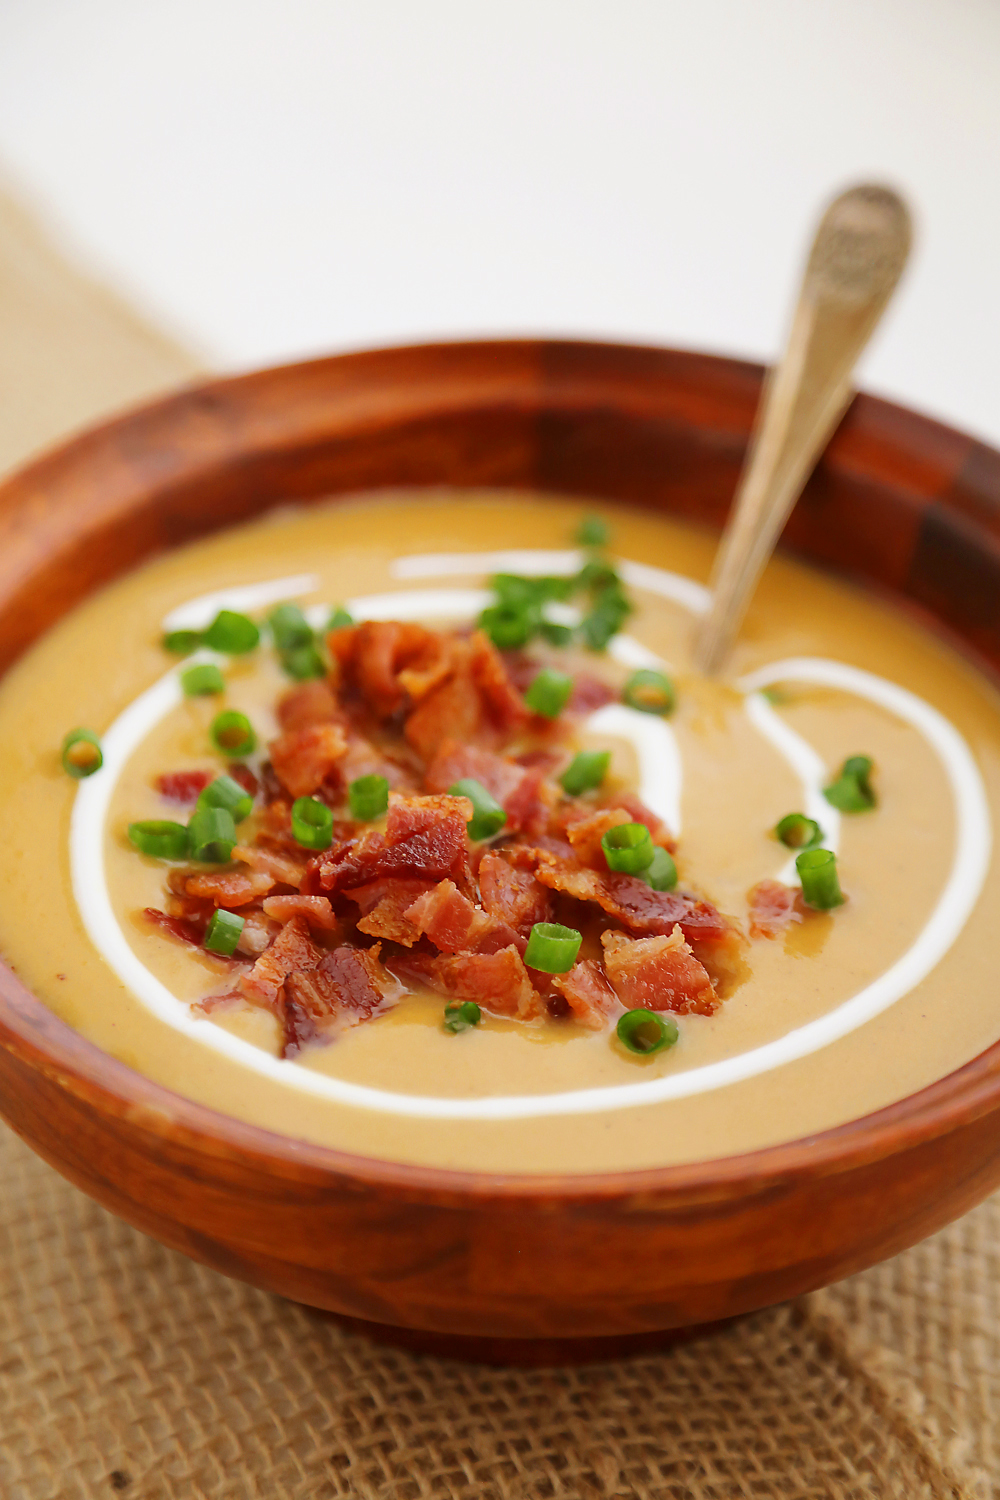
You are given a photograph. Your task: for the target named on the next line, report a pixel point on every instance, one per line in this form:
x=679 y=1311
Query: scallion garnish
x=552 y=948
x=202 y=680
x=182 y=642
x=81 y=753
x=549 y=693
x=796 y=831
x=644 y=1032
x=852 y=791
x=820 y=883
x=226 y=793
x=223 y=932
x=661 y=872
x=312 y=823
x=340 y=619
x=488 y=817
x=593 y=531
x=628 y=847
x=233 y=734
x=160 y=839
x=212 y=834
x=651 y=692
x=289 y=627
x=585 y=771
x=508 y=628
x=232 y=633
x=460 y=1015
x=368 y=797
x=556 y=635
x=303 y=662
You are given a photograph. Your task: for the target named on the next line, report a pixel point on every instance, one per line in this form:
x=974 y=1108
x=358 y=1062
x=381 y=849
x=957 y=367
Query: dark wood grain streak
x=901 y=503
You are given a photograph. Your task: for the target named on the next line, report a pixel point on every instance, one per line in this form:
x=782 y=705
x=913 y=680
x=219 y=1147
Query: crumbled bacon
x=183 y=786
x=230 y=887
x=589 y=693
x=384 y=904
x=346 y=985
x=585 y=835
x=425 y=838
x=292 y=950
x=316 y=909
x=658 y=973
x=640 y=813
x=389 y=661
x=454 y=925
x=587 y=993
x=498 y=982
x=307 y=704
x=303 y=758
x=186 y=930
x=258 y=933
x=281 y=867
x=517 y=788
x=513 y=896
x=773 y=907
x=502 y=703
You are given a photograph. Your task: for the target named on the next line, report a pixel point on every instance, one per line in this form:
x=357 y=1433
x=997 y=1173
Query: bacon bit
x=454 y=925
x=183 y=786
x=269 y=784
x=230 y=887
x=658 y=973
x=303 y=758
x=425 y=838
x=502 y=703
x=513 y=896
x=307 y=704
x=373 y=656
x=282 y=869
x=292 y=950
x=186 y=930
x=639 y=813
x=498 y=982
x=588 y=995
x=348 y=984
x=585 y=835
x=451 y=711
x=364 y=759
x=316 y=909
x=516 y=788
x=589 y=694
x=257 y=933
x=384 y=904
x=773 y=907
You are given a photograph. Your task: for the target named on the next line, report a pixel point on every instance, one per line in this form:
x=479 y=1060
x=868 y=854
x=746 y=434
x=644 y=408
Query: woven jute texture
x=127 y=1370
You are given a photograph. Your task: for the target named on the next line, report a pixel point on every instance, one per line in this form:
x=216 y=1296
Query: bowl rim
x=41 y=1040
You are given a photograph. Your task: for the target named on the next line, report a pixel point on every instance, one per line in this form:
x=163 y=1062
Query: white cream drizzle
x=660 y=787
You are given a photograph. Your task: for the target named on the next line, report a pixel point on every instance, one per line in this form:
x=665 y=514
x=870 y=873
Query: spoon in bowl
x=857 y=257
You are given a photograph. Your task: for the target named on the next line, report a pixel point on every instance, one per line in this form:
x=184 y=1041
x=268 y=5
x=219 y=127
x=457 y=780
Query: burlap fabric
x=125 y=1369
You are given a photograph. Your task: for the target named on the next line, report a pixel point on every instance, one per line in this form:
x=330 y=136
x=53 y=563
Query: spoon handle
x=860 y=248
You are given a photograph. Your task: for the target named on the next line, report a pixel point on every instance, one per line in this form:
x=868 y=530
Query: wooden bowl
x=517 y=1266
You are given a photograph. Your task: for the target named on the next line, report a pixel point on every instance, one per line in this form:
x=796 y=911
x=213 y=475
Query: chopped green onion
x=852 y=791
x=312 y=823
x=529 y=593
x=182 y=642
x=303 y=662
x=368 y=797
x=556 y=635
x=289 y=627
x=340 y=619
x=552 y=947
x=226 y=793
x=661 y=872
x=796 y=831
x=586 y=770
x=549 y=693
x=644 y=1032
x=232 y=633
x=818 y=873
x=223 y=932
x=597 y=575
x=649 y=691
x=200 y=681
x=162 y=840
x=232 y=733
x=628 y=847
x=460 y=1015
x=488 y=817
x=81 y=754
x=509 y=628
x=212 y=833
x=593 y=531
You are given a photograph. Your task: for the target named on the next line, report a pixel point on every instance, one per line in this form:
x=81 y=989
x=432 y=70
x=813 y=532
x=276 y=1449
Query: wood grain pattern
x=901 y=503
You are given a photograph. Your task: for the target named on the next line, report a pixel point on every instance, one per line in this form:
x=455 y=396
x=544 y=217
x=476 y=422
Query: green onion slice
x=226 y=793
x=460 y=1015
x=340 y=619
x=593 y=531
x=644 y=1032
x=556 y=635
x=368 y=797
x=652 y=692
x=661 y=872
x=303 y=662
x=488 y=817
x=796 y=831
x=200 y=681
x=223 y=932
x=160 y=839
x=549 y=693
x=552 y=947
x=212 y=832
x=81 y=754
x=820 y=883
x=182 y=642
x=585 y=771
x=852 y=791
x=232 y=633
x=289 y=627
x=508 y=627
x=628 y=847
x=312 y=823
x=232 y=733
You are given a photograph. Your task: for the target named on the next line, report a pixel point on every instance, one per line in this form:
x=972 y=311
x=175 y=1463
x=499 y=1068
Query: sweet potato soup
x=403 y=825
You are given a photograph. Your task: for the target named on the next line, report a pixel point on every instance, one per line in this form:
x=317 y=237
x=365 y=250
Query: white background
x=276 y=178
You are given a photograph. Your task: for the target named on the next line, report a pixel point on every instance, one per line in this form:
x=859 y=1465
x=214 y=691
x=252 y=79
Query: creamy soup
x=809 y=1018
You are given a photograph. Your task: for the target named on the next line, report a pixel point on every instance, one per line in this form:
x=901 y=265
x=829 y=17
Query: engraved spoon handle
x=860 y=248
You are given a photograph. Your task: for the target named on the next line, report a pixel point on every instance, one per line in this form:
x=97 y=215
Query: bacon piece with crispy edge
x=347 y=985
x=498 y=982
x=307 y=704
x=587 y=993
x=229 y=887
x=384 y=904
x=518 y=789
x=258 y=933
x=303 y=758
x=658 y=973
x=183 y=786
x=454 y=925
x=585 y=835
x=451 y=711
x=639 y=813
x=502 y=702
x=373 y=657
x=283 y=869
x=513 y=896
x=292 y=950
x=773 y=907
x=316 y=909
x=365 y=759
x=425 y=839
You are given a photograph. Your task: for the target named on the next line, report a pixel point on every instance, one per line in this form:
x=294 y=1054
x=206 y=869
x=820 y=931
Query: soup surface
x=810 y=1018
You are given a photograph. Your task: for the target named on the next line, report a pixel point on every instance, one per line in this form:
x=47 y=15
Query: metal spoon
x=859 y=252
